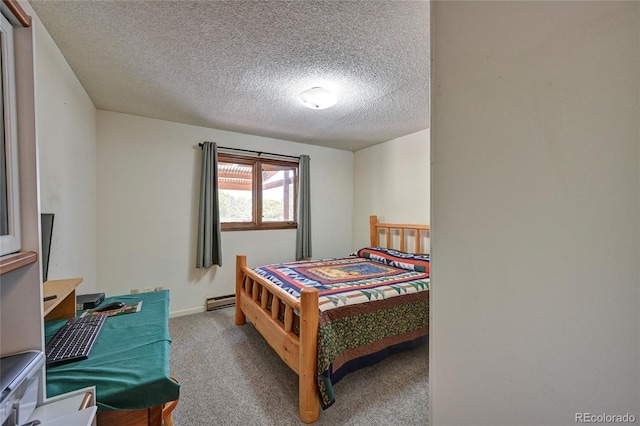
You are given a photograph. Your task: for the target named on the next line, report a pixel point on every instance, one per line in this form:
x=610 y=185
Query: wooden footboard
x=271 y=310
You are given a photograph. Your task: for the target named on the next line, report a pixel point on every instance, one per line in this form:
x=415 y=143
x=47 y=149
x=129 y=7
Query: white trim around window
x=10 y=238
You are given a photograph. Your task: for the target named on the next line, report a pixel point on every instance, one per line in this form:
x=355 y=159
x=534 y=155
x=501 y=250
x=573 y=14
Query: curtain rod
x=255 y=152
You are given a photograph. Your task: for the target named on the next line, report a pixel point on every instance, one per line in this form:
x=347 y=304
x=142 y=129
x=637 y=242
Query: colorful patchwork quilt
x=370 y=307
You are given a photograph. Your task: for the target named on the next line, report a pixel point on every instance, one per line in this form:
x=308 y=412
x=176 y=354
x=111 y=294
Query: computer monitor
x=46 y=223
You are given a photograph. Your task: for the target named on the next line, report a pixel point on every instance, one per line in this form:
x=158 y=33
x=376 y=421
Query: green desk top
x=129 y=364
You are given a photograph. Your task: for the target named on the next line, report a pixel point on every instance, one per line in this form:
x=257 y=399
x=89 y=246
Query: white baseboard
x=186 y=312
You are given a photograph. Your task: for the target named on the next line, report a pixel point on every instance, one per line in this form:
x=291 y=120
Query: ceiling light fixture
x=317 y=98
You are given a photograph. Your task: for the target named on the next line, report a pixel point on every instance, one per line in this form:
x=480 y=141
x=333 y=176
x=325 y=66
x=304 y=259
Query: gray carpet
x=231 y=376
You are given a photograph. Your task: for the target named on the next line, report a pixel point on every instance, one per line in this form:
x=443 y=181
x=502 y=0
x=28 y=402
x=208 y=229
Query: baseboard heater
x=220 y=302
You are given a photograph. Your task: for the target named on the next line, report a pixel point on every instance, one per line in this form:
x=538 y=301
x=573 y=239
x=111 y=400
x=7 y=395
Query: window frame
x=256 y=222
x=12 y=241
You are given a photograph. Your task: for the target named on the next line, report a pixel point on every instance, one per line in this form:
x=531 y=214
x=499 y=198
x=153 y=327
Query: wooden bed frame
x=299 y=352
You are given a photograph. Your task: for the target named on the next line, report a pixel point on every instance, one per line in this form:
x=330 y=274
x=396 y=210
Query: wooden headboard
x=403 y=231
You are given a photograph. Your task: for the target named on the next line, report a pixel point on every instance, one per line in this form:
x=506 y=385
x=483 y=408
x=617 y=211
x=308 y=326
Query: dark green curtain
x=209 y=241
x=303 y=236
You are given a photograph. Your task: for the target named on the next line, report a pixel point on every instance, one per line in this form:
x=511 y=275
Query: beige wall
x=65 y=121
x=148 y=181
x=391 y=180
x=535 y=294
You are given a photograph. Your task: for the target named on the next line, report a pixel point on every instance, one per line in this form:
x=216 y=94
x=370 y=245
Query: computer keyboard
x=74 y=340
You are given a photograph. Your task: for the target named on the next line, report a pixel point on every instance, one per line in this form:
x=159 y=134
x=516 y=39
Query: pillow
x=399 y=259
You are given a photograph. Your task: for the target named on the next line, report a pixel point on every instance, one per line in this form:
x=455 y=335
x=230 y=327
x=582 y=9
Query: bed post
x=309 y=405
x=373 y=230
x=241 y=262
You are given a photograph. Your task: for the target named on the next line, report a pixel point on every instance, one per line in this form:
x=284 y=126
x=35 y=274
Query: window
x=9 y=191
x=256 y=193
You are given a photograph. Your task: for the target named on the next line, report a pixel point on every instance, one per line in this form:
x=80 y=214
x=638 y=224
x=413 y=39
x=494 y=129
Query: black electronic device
x=74 y=341
x=88 y=301
x=46 y=229
x=110 y=306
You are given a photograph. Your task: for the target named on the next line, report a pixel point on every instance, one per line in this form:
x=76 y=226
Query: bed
x=330 y=317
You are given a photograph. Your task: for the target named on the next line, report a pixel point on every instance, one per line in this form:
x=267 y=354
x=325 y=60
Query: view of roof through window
x=235 y=187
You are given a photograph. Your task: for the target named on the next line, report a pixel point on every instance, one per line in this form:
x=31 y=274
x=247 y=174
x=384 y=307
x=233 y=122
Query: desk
x=129 y=364
x=64 y=304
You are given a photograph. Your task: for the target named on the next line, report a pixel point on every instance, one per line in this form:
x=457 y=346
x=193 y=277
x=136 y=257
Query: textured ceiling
x=239 y=65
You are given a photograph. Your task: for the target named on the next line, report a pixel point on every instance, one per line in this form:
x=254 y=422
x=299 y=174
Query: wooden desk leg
x=167 y=409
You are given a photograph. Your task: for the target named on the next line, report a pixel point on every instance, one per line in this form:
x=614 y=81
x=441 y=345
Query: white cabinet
x=74 y=408
x=22 y=402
